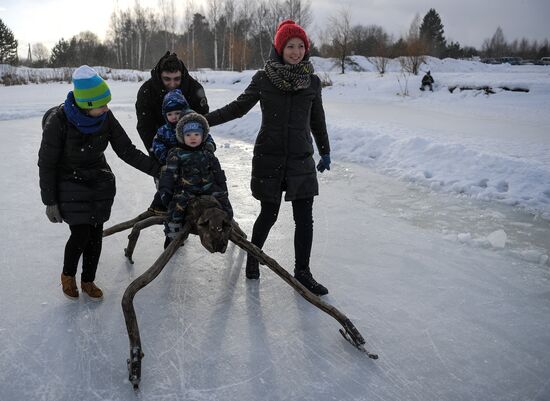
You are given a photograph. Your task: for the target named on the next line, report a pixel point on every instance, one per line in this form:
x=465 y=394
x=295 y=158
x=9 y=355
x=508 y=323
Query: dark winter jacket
x=427 y=79
x=74 y=172
x=151 y=95
x=192 y=172
x=283 y=150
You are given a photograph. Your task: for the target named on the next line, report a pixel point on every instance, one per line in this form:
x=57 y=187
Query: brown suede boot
x=92 y=290
x=68 y=283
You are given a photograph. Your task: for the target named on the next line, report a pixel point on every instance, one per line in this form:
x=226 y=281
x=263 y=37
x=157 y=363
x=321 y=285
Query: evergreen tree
x=8 y=45
x=432 y=33
x=62 y=54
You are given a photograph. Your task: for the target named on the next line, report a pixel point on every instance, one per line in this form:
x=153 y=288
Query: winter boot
x=252 y=268
x=92 y=290
x=68 y=283
x=306 y=279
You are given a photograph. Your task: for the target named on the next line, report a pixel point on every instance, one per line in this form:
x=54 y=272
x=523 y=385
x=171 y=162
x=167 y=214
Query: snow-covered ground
x=421 y=235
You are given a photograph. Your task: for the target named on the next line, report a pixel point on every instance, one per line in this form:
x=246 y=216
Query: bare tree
x=415 y=49
x=214 y=10
x=168 y=21
x=229 y=13
x=187 y=26
x=381 y=58
x=245 y=15
x=299 y=11
x=267 y=16
x=340 y=35
x=40 y=53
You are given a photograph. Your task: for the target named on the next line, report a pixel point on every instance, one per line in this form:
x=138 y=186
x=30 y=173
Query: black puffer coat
x=151 y=95
x=74 y=173
x=284 y=148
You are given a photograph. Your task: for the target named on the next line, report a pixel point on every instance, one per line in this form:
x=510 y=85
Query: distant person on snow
x=191 y=170
x=170 y=73
x=292 y=109
x=76 y=183
x=427 y=80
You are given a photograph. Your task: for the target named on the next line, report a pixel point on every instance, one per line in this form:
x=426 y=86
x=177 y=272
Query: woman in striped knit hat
x=76 y=183
x=292 y=110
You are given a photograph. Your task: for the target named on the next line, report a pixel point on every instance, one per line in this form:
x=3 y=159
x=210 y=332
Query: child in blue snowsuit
x=191 y=170
x=174 y=106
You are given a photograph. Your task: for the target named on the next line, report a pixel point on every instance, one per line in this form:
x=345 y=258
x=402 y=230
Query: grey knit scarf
x=289 y=77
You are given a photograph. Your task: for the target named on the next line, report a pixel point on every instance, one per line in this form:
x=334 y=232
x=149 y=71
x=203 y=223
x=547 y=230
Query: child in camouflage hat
x=191 y=170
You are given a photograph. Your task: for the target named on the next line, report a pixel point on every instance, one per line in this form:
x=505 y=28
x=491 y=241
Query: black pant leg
x=303 y=234
x=91 y=254
x=75 y=247
x=266 y=219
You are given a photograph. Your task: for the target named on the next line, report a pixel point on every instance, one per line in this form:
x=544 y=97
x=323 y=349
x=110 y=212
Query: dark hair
x=170 y=63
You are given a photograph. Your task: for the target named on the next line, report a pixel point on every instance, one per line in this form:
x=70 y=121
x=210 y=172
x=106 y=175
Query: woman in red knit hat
x=292 y=110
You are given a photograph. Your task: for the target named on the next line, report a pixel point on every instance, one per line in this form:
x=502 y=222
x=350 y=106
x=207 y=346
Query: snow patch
x=497 y=239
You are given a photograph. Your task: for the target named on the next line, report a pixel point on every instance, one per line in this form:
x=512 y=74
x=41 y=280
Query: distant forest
x=237 y=35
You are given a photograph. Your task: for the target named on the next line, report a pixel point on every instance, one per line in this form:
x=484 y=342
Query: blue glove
x=324 y=163
x=209 y=144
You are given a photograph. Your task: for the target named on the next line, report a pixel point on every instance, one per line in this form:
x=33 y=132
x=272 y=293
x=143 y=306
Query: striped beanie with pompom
x=287 y=30
x=90 y=90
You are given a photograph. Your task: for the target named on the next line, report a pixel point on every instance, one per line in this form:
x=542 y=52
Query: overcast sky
x=466 y=21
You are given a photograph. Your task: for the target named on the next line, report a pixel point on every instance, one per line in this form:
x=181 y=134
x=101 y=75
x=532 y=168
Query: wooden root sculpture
x=205 y=218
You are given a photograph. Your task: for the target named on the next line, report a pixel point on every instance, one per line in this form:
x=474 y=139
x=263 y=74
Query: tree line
x=237 y=35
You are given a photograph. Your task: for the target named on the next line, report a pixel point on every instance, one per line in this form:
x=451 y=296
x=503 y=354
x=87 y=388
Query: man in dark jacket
x=169 y=73
x=428 y=81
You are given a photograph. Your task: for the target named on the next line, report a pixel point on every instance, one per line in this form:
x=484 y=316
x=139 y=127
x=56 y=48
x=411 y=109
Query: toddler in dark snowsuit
x=173 y=107
x=191 y=170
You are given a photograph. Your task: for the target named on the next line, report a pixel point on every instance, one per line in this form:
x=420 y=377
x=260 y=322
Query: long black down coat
x=151 y=95
x=283 y=150
x=74 y=172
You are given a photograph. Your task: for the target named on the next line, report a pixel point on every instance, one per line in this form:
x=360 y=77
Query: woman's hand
x=324 y=163
x=53 y=213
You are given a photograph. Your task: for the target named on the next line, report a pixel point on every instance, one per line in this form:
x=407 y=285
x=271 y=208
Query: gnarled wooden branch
x=350 y=332
x=136 y=229
x=205 y=218
x=136 y=353
x=130 y=223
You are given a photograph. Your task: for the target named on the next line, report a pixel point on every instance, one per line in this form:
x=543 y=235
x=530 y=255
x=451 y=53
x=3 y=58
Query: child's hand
x=165 y=198
x=209 y=144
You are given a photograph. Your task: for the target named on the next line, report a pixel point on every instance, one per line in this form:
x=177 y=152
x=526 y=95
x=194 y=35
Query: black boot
x=252 y=268
x=306 y=279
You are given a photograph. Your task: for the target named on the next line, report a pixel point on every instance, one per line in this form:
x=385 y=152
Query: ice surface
x=451 y=320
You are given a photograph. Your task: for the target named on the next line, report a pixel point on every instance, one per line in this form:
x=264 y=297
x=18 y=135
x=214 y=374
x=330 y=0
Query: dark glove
x=324 y=163
x=53 y=213
x=209 y=144
x=165 y=198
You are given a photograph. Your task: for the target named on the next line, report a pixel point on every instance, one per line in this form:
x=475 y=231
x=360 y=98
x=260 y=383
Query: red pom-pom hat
x=287 y=30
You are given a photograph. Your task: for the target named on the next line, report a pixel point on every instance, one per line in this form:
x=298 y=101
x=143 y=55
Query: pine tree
x=8 y=45
x=62 y=54
x=432 y=33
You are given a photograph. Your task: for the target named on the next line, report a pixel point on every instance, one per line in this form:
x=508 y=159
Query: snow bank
x=10 y=75
x=485 y=165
